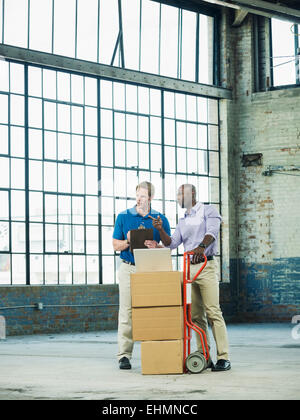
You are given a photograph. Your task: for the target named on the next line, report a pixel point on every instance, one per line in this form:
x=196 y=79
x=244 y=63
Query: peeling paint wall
x=263 y=211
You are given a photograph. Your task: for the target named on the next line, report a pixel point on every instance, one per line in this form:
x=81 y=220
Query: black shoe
x=210 y=364
x=221 y=365
x=124 y=363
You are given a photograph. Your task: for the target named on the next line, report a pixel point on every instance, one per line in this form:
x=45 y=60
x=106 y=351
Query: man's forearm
x=165 y=238
x=207 y=240
x=120 y=245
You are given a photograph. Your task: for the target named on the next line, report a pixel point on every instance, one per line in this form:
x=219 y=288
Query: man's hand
x=151 y=244
x=198 y=255
x=157 y=223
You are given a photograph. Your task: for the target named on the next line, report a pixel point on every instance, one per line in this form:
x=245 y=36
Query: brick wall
x=71 y=308
x=263 y=211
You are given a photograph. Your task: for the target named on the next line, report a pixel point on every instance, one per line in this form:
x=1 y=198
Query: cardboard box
x=158 y=323
x=162 y=357
x=161 y=288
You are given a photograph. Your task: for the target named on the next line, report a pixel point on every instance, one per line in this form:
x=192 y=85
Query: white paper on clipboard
x=188 y=293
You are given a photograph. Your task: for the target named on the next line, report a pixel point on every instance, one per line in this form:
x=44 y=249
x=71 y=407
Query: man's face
x=185 y=197
x=142 y=198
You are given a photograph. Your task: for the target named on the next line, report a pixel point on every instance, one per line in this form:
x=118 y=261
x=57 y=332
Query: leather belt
x=128 y=262
x=211 y=257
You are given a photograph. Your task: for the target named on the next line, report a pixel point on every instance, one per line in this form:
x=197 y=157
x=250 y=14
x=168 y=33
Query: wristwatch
x=202 y=245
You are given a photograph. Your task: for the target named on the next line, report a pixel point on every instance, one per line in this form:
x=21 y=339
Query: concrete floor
x=265 y=365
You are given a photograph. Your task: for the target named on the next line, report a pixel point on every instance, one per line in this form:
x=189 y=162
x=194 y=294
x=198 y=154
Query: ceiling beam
x=239 y=17
x=113 y=73
x=259 y=7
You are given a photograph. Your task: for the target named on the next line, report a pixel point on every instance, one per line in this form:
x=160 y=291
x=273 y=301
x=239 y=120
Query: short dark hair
x=148 y=186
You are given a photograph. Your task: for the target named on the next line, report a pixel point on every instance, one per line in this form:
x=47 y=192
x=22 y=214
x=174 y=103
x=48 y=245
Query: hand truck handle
x=187 y=260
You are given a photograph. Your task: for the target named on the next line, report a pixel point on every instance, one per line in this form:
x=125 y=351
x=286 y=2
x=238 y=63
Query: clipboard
x=138 y=237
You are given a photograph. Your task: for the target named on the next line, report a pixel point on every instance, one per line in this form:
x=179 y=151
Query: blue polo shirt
x=129 y=219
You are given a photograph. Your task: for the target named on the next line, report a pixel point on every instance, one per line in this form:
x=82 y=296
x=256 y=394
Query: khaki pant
x=205 y=306
x=125 y=342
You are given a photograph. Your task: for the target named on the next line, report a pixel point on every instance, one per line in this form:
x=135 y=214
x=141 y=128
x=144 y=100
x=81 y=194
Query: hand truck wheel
x=196 y=362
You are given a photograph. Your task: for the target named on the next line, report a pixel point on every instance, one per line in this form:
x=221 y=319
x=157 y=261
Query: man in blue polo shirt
x=130 y=219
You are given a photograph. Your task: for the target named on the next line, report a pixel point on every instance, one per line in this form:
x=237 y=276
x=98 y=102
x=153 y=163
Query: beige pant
x=125 y=342
x=205 y=306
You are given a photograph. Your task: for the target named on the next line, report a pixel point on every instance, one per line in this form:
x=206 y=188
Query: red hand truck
x=197 y=361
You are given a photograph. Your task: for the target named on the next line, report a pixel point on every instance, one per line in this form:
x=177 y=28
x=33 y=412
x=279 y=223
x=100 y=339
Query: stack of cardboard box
x=157 y=320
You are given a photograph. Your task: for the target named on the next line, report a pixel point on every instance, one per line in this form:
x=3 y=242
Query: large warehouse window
x=285 y=53
x=72 y=150
x=142 y=35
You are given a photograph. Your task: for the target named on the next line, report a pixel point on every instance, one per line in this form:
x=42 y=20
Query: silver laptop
x=155 y=259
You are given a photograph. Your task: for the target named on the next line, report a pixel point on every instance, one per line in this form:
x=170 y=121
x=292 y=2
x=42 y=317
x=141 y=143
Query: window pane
x=78 y=239
x=108 y=270
x=65 y=269
x=17 y=205
x=4 y=236
x=50 y=145
x=78 y=210
x=63 y=117
x=188 y=40
x=17 y=173
x=34 y=80
x=150 y=36
x=106 y=123
x=35 y=144
x=77 y=148
x=40 y=25
x=4 y=71
x=3 y=140
x=35 y=112
x=63 y=86
x=107 y=210
x=18 y=237
x=36 y=269
x=17 y=78
x=4 y=215
x=50 y=208
x=36 y=175
x=49 y=116
x=206 y=49
x=64 y=178
x=50 y=176
x=131 y=27
x=64 y=146
x=51 y=269
x=49 y=84
x=16 y=109
x=17 y=141
x=106 y=152
x=90 y=91
x=109 y=29
x=92 y=268
x=79 y=269
x=119 y=153
x=92 y=239
x=91 y=121
x=91 y=204
x=169 y=41
x=18 y=269
x=4 y=172
x=16 y=16
x=76 y=88
x=36 y=206
x=4 y=109
x=283 y=45
x=64 y=238
x=131 y=154
x=36 y=238
x=64 y=27
x=91 y=180
x=77 y=119
x=78 y=179
x=64 y=209
x=5 y=269
x=87 y=27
